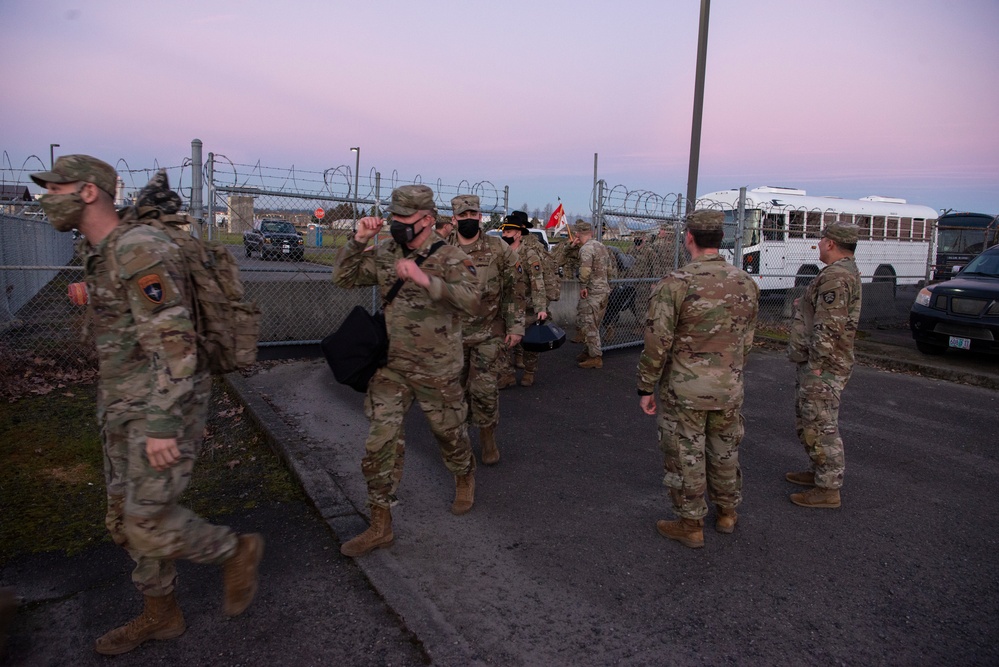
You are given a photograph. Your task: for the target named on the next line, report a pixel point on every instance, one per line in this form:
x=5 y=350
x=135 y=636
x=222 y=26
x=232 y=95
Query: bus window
x=773 y=227
x=949 y=240
x=750 y=231
x=905 y=228
x=878 y=228
x=892 y=232
x=846 y=218
x=864 y=222
x=813 y=225
x=796 y=225
x=920 y=230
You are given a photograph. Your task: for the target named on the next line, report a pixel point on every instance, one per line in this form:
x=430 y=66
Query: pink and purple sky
x=839 y=97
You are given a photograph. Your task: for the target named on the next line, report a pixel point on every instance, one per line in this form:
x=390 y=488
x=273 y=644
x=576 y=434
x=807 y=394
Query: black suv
x=275 y=238
x=962 y=312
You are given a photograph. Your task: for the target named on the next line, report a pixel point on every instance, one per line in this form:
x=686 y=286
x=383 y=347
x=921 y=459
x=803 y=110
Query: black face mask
x=509 y=239
x=402 y=233
x=468 y=228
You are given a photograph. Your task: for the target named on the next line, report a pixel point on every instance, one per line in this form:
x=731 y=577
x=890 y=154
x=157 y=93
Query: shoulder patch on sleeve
x=520 y=269
x=828 y=297
x=470 y=266
x=536 y=267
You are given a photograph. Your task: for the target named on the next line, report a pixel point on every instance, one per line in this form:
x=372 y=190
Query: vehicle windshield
x=751 y=232
x=969 y=241
x=986 y=264
x=279 y=226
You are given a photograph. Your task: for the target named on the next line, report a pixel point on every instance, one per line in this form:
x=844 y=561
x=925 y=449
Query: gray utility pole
x=695 y=129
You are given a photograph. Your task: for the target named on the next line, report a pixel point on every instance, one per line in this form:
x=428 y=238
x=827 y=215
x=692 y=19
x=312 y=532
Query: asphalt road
x=559 y=561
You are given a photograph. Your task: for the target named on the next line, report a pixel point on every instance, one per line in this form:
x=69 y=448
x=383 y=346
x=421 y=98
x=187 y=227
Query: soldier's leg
x=598 y=307
x=724 y=432
x=531 y=361
x=385 y=405
x=155 y=524
x=684 y=462
x=817 y=417
x=443 y=402
x=483 y=388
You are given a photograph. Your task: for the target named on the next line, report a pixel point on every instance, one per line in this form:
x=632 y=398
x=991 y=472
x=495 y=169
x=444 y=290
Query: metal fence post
x=197 y=184
x=211 y=196
x=598 y=222
x=740 y=225
x=506 y=200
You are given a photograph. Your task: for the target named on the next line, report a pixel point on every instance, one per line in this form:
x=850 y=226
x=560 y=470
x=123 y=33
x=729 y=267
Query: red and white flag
x=557 y=221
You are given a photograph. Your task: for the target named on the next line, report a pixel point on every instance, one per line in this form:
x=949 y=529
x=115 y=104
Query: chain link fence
x=289 y=277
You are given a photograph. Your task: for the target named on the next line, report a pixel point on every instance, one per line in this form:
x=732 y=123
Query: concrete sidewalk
x=559 y=562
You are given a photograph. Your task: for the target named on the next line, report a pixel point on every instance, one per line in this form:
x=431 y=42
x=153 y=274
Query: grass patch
x=52 y=495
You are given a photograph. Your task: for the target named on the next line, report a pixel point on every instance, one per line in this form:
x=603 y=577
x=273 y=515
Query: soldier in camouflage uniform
x=445 y=229
x=698 y=335
x=566 y=255
x=424 y=355
x=515 y=233
x=496 y=327
x=594 y=292
x=821 y=344
x=152 y=397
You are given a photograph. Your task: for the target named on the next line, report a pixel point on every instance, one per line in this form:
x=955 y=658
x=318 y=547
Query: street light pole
x=695 y=129
x=52 y=148
x=357 y=169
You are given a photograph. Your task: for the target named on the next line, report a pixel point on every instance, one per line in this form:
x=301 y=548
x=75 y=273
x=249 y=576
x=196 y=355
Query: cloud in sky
x=846 y=97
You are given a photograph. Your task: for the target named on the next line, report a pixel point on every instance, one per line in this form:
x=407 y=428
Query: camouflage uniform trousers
x=589 y=316
x=479 y=378
x=143 y=515
x=817 y=424
x=390 y=395
x=701 y=452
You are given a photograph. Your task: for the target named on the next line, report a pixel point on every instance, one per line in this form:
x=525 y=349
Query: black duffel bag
x=543 y=337
x=358 y=348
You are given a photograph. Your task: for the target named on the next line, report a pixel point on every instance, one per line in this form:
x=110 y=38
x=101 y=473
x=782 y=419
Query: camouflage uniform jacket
x=141 y=318
x=501 y=284
x=535 y=300
x=424 y=325
x=826 y=319
x=699 y=334
x=594 y=258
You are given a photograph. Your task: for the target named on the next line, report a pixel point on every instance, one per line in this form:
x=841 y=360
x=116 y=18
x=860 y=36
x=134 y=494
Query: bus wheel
x=886 y=274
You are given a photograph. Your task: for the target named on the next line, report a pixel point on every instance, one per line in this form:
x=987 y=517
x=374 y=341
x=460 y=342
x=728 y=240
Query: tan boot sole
x=798 y=499
x=682 y=539
x=352 y=553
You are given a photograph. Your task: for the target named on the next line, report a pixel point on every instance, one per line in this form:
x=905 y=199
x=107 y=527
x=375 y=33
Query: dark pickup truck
x=275 y=238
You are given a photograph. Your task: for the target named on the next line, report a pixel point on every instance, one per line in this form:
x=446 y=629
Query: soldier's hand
x=162 y=452
x=648 y=404
x=542 y=316
x=512 y=340
x=408 y=269
x=583 y=293
x=367 y=228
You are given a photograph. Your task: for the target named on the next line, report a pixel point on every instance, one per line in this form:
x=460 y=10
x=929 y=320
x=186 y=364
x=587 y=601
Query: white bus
x=782 y=227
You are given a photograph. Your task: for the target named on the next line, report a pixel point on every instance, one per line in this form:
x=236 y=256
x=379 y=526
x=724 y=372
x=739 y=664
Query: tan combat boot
x=725 y=523
x=239 y=574
x=161 y=618
x=578 y=338
x=582 y=356
x=377 y=536
x=806 y=478
x=490 y=452
x=688 y=532
x=817 y=497
x=464 y=494
x=592 y=362
x=527 y=379
x=506 y=380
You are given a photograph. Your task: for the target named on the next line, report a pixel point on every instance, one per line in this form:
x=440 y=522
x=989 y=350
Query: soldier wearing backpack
x=152 y=399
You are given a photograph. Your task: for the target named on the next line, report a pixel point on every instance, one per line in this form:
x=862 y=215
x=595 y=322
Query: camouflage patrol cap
x=841 y=232
x=706 y=221
x=464 y=203
x=583 y=227
x=408 y=199
x=72 y=168
x=157 y=193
